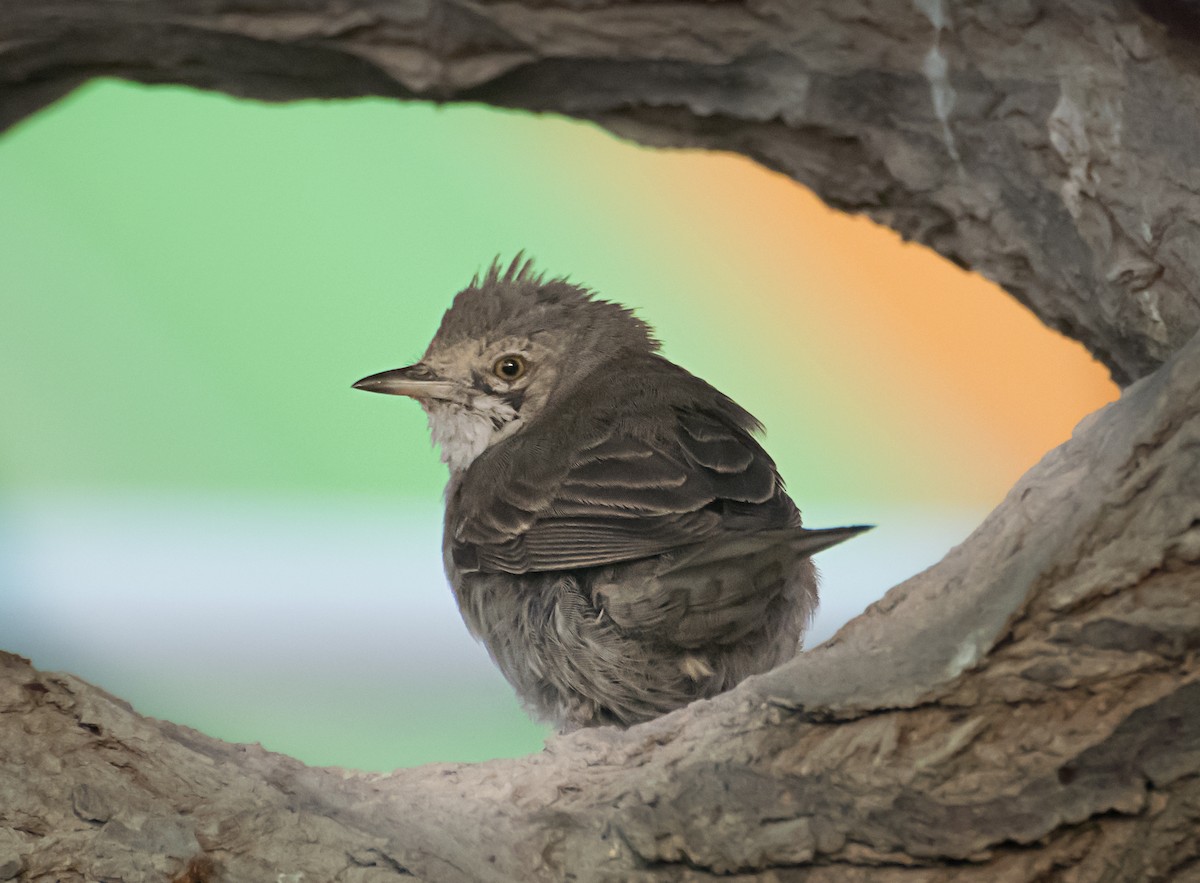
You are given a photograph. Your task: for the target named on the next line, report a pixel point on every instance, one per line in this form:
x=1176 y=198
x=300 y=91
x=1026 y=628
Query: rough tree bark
x=1027 y=709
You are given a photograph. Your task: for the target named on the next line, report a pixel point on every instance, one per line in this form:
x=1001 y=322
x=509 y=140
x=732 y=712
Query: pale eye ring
x=510 y=367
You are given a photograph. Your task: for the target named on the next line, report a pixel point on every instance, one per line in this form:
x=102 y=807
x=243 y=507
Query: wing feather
x=667 y=481
x=658 y=474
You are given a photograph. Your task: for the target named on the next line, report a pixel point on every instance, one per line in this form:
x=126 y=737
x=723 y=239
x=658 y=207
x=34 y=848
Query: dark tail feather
x=802 y=542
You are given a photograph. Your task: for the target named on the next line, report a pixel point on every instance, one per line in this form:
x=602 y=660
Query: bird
x=614 y=533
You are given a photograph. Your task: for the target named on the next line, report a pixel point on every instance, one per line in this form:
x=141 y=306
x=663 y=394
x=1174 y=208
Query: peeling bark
x=1027 y=709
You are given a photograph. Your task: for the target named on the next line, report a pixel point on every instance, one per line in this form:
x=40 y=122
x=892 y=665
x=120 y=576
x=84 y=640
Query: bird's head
x=510 y=345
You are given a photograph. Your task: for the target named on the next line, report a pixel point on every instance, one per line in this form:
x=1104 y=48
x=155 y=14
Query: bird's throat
x=463 y=432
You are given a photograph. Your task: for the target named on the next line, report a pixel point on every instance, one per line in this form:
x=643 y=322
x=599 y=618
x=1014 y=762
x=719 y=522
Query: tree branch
x=1038 y=687
x=1029 y=705
x=1041 y=144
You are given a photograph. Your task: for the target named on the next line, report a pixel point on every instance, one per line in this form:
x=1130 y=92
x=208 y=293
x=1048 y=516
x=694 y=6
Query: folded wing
x=621 y=497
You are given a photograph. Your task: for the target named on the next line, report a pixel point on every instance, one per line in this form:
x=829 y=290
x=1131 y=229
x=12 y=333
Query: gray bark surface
x=1028 y=709
x=1049 y=146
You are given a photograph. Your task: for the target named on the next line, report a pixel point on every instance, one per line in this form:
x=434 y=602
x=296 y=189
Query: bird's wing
x=620 y=498
x=717 y=592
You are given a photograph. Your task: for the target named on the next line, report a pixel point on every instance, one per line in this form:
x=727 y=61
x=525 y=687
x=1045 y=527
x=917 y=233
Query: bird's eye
x=509 y=367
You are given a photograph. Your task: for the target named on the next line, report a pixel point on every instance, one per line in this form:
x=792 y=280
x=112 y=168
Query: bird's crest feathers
x=517 y=300
x=520 y=269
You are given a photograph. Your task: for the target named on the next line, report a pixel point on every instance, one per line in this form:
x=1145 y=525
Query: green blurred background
x=200 y=515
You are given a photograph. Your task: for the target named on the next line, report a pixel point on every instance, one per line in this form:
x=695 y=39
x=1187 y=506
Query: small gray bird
x=614 y=534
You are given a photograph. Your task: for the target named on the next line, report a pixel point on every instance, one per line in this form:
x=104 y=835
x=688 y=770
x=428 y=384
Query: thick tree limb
x=1050 y=146
x=1028 y=708
x=1031 y=703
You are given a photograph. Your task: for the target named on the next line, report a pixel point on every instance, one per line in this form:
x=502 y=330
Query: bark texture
x=1028 y=709
x=1049 y=145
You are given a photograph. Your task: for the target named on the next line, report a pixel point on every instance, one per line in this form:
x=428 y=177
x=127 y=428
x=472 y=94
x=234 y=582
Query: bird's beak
x=416 y=381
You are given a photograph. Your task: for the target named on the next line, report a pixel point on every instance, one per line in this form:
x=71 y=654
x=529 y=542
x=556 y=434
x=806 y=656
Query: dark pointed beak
x=416 y=381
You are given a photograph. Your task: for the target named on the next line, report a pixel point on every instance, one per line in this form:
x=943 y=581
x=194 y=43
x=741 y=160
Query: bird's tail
x=801 y=541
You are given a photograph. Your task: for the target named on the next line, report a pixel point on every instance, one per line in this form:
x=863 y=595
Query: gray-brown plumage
x=614 y=534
